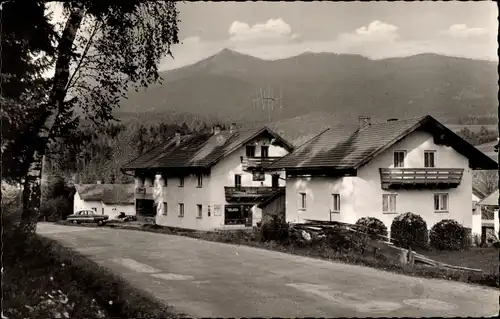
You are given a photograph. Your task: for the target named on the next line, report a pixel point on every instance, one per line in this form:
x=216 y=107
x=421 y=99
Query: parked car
x=125 y=218
x=87 y=216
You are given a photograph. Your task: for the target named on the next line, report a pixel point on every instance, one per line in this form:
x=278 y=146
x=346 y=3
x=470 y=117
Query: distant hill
x=224 y=85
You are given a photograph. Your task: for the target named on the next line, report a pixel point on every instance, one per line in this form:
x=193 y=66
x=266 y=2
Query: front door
x=247 y=214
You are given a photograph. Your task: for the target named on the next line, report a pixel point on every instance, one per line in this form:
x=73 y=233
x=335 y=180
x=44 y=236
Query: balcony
x=249 y=163
x=396 y=178
x=144 y=192
x=249 y=194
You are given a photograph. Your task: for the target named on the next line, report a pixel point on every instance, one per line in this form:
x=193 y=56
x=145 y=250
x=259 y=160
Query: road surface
x=209 y=279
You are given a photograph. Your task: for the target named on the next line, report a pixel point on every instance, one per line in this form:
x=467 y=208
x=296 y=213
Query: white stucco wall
x=79 y=204
x=212 y=191
x=421 y=201
x=361 y=196
x=114 y=210
x=319 y=200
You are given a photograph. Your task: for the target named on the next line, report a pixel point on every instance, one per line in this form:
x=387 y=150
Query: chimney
x=364 y=121
x=98 y=182
x=216 y=129
x=177 y=137
x=232 y=128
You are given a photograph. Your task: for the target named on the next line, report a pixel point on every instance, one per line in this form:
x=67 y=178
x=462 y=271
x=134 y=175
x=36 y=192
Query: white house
x=490 y=225
x=477 y=196
x=382 y=170
x=105 y=199
x=208 y=180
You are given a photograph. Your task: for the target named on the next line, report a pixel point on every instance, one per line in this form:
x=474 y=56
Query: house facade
x=105 y=199
x=382 y=170
x=490 y=225
x=208 y=180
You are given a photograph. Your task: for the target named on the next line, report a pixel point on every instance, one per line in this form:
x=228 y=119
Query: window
x=336 y=203
x=199 y=210
x=94 y=209
x=181 y=210
x=429 y=158
x=275 y=181
x=399 y=158
x=165 y=208
x=302 y=197
x=264 y=151
x=200 y=180
x=389 y=203
x=250 y=151
x=441 y=202
x=181 y=181
x=237 y=180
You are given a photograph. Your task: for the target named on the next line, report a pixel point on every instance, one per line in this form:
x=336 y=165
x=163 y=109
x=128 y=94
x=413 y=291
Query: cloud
x=273 y=29
x=463 y=32
x=376 y=31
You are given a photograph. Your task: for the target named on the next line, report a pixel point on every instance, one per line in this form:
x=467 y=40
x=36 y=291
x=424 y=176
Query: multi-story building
x=208 y=180
x=382 y=170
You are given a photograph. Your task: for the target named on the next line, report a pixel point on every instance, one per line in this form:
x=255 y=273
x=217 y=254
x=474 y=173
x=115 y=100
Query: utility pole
x=266 y=100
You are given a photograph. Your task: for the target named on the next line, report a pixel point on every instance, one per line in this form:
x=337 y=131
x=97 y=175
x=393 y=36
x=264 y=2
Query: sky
x=275 y=30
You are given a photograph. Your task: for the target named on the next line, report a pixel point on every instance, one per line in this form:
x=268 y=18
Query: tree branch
x=83 y=57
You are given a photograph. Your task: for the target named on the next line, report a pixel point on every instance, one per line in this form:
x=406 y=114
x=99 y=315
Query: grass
x=486 y=259
x=43 y=279
x=481 y=258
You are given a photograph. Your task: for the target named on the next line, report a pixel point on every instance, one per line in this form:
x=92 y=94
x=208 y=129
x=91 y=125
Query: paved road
x=208 y=279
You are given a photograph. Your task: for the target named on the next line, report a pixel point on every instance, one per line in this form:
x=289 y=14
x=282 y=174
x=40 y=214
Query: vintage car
x=87 y=216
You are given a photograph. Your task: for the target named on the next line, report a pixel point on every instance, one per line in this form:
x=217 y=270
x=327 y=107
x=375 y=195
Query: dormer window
x=250 y=151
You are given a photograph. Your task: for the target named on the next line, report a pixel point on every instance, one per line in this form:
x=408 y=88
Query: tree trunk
x=31 y=190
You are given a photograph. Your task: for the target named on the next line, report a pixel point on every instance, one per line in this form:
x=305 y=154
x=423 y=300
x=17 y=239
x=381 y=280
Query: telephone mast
x=267 y=101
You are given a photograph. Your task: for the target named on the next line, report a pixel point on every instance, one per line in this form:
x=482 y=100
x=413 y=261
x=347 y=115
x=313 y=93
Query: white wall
x=79 y=204
x=319 y=200
x=114 y=210
x=212 y=191
x=368 y=201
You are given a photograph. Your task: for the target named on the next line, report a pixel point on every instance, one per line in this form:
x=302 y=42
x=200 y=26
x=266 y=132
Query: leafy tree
x=105 y=48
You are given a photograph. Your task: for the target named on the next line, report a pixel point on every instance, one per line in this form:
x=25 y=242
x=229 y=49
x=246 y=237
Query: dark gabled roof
x=277 y=194
x=113 y=194
x=477 y=191
x=199 y=149
x=490 y=200
x=347 y=147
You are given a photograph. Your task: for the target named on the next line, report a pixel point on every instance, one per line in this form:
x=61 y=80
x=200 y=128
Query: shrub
x=374 y=227
x=276 y=229
x=448 y=234
x=409 y=230
x=54 y=209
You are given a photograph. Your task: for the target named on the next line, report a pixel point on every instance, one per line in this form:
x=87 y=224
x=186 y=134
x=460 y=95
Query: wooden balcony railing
x=144 y=192
x=248 y=193
x=420 y=177
x=257 y=162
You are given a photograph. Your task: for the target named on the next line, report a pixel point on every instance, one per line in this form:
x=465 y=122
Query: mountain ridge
x=224 y=86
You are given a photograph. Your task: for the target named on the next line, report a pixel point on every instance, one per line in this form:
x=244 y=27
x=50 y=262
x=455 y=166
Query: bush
x=409 y=230
x=448 y=234
x=54 y=209
x=374 y=227
x=276 y=229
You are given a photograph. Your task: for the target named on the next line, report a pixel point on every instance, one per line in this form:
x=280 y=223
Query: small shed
x=274 y=205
